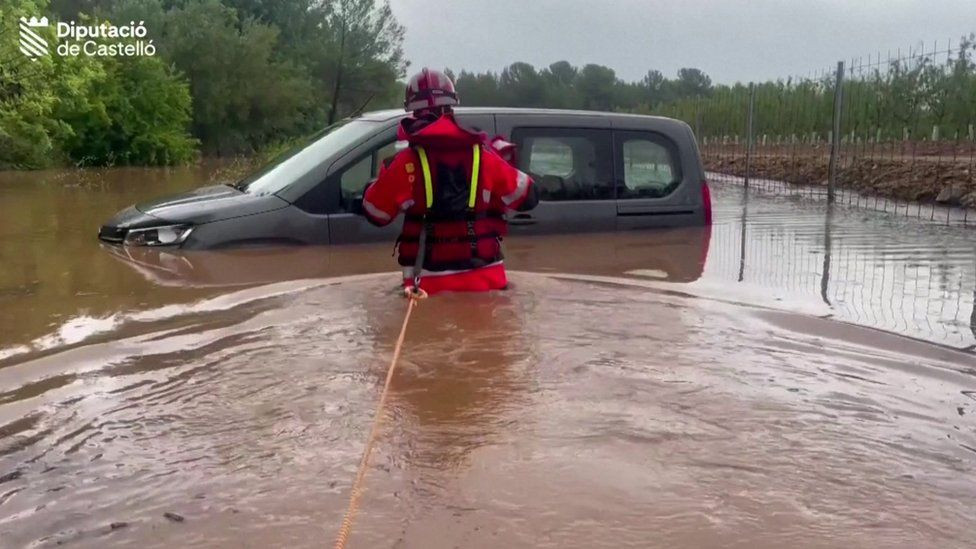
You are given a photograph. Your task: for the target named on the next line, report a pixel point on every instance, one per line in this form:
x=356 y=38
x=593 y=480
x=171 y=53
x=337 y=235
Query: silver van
x=595 y=171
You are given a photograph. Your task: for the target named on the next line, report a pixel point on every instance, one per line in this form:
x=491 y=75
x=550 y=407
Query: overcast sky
x=730 y=40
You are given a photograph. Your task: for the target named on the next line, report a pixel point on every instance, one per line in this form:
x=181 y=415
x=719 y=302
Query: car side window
x=566 y=163
x=649 y=166
x=346 y=186
x=384 y=155
x=353 y=179
x=550 y=156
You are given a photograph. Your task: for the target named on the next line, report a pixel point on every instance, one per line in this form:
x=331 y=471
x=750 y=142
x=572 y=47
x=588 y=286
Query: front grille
x=114 y=235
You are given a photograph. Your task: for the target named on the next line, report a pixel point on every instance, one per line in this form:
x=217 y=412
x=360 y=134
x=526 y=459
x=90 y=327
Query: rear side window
x=550 y=156
x=648 y=164
x=566 y=163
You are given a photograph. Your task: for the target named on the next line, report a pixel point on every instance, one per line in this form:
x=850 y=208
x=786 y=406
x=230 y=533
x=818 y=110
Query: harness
x=448 y=213
x=428 y=185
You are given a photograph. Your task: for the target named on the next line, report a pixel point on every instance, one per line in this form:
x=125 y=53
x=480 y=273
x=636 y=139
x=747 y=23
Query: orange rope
x=413 y=296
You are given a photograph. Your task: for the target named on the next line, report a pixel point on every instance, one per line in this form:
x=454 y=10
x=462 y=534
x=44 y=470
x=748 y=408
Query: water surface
x=793 y=376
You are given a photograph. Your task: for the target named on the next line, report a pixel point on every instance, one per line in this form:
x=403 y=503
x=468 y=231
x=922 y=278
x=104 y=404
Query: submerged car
x=674 y=255
x=595 y=171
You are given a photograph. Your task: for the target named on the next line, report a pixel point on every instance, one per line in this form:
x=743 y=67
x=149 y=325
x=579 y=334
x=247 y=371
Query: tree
x=596 y=84
x=655 y=88
x=136 y=111
x=478 y=90
x=365 y=52
x=28 y=132
x=296 y=20
x=87 y=110
x=242 y=74
x=692 y=83
x=560 y=85
x=243 y=96
x=521 y=85
x=563 y=74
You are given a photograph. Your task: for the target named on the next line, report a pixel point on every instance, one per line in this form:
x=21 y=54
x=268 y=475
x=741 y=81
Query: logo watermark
x=101 y=40
x=32 y=44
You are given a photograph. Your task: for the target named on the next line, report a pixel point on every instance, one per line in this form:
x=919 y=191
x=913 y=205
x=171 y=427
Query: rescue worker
x=454 y=189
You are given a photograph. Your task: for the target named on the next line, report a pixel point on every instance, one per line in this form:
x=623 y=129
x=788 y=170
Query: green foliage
x=478 y=89
x=596 y=85
x=917 y=98
x=135 y=111
x=266 y=71
x=563 y=86
x=229 y=77
x=87 y=110
x=362 y=57
x=28 y=95
x=243 y=95
x=237 y=77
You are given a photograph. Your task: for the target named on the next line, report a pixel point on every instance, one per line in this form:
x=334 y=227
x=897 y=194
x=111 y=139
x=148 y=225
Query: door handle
x=522 y=219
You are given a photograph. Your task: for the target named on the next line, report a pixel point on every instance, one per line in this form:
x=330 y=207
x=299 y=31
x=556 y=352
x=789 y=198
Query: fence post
x=749 y=129
x=835 y=135
x=698 y=120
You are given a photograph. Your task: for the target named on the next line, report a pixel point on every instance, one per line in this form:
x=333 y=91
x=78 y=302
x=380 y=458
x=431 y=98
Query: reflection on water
x=679 y=388
x=884 y=271
x=872 y=269
x=51 y=268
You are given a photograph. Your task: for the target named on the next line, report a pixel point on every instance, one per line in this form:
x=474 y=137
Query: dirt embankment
x=940 y=179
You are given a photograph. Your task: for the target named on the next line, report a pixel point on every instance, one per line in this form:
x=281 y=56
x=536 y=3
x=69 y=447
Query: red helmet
x=428 y=89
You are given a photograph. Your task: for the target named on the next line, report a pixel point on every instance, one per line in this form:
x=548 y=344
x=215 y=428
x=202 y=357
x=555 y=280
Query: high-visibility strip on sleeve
x=475 y=166
x=521 y=185
x=377 y=213
x=425 y=168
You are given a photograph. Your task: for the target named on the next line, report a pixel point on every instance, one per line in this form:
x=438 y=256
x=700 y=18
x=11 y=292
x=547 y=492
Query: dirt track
x=947 y=179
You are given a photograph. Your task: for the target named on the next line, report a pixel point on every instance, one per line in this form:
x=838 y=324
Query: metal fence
x=893 y=132
x=864 y=285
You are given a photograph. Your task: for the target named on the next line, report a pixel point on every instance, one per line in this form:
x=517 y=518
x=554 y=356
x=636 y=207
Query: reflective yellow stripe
x=475 y=166
x=425 y=167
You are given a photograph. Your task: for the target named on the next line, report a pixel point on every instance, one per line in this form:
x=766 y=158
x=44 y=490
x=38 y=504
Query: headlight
x=167 y=235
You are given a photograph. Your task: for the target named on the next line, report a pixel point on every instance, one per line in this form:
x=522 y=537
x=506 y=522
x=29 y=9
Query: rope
x=414 y=295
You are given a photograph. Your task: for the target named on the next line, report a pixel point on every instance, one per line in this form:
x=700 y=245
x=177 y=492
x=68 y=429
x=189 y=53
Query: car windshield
x=298 y=160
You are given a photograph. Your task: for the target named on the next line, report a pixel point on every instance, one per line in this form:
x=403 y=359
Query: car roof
x=390 y=114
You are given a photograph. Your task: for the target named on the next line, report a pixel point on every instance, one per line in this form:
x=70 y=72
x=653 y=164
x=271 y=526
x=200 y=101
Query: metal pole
x=825 y=277
x=749 y=130
x=742 y=237
x=698 y=120
x=835 y=136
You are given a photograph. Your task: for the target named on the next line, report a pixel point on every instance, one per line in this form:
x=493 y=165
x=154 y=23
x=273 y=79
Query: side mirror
x=356 y=205
x=356 y=201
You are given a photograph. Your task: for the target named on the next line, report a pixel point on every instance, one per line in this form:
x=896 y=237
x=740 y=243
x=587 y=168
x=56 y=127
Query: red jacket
x=464 y=225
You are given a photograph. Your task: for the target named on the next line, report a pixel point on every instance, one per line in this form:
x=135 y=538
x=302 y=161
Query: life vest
x=459 y=232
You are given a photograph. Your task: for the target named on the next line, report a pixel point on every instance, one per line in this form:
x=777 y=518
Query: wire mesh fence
x=894 y=132
x=861 y=283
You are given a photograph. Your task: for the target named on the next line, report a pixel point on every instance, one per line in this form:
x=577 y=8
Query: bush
x=88 y=110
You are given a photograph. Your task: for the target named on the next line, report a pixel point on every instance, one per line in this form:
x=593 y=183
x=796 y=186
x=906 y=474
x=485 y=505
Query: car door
x=572 y=170
x=349 y=176
x=345 y=184
x=651 y=188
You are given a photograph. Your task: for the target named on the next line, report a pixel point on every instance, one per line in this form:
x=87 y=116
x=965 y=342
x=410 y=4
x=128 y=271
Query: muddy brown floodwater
x=793 y=377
